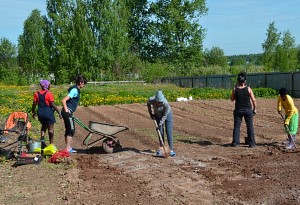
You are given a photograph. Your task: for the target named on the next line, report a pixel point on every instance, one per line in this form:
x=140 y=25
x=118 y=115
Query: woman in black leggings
x=245 y=106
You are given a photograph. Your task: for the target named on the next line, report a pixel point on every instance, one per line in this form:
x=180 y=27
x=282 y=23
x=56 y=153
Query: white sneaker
x=290 y=146
x=287 y=141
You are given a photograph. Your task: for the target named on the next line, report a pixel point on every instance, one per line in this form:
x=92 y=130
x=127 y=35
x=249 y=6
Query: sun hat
x=159 y=96
x=44 y=84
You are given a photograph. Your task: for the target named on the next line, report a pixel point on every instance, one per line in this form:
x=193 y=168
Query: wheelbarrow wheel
x=111 y=145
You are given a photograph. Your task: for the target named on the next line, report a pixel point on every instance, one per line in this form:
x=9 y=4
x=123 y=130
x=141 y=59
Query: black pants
x=238 y=115
x=69 y=124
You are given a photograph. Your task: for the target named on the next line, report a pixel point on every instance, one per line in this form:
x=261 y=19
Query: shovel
x=166 y=149
x=289 y=134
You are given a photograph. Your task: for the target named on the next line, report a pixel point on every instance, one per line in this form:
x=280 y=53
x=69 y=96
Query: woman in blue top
x=163 y=116
x=70 y=103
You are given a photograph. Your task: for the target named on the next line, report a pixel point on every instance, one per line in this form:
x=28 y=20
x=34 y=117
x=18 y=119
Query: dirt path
x=206 y=169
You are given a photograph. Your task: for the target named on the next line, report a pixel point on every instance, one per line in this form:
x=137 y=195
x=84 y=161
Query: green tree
x=215 y=57
x=8 y=52
x=269 y=46
x=60 y=28
x=137 y=26
x=175 y=35
x=33 y=56
x=110 y=25
x=286 y=54
x=8 y=62
x=83 y=43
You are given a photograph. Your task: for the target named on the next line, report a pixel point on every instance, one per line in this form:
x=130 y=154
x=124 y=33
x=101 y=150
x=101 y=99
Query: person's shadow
x=200 y=142
x=100 y=150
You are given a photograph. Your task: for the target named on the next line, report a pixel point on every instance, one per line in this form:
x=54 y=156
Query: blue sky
x=13 y=13
x=236 y=26
x=240 y=26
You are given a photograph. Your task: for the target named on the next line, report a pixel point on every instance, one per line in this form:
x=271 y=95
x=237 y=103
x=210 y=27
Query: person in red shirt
x=44 y=100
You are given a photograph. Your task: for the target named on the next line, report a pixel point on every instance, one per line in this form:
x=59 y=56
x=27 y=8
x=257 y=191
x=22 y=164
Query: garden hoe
x=289 y=134
x=165 y=148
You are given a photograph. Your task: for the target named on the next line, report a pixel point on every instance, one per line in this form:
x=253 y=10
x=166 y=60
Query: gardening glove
x=254 y=111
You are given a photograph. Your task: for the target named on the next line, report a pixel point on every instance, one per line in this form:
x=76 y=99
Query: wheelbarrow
x=110 y=143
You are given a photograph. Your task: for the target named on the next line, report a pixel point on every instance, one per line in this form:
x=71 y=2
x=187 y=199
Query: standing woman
x=70 y=103
x=44 y=99
x=245 y=107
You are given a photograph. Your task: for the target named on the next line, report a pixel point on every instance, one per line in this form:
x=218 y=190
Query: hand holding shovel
x=166 y=149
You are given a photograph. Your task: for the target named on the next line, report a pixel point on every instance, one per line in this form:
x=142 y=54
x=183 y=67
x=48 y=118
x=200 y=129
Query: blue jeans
x=168 y=125
x=238 y=115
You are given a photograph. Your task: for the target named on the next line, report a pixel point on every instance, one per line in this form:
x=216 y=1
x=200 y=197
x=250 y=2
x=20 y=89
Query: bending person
x=286 y=102
x=162 y=113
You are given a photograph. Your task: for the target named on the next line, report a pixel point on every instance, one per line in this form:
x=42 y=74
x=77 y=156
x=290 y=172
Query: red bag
x=59 y=155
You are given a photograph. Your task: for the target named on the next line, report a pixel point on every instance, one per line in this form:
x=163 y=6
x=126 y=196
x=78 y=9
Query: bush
x=210 y=93
x=265 y=92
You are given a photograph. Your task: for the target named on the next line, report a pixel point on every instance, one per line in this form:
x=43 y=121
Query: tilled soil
x=206 y=169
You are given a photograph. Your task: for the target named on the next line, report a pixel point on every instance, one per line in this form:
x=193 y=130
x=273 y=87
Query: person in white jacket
x=160 y=110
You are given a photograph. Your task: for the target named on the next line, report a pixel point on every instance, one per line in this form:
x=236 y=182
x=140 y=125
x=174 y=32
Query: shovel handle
x=160 y=137
x=166 y=153
x=281 y=116
x=158 y=132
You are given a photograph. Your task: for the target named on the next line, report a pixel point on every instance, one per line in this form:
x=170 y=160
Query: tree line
x=128 y=40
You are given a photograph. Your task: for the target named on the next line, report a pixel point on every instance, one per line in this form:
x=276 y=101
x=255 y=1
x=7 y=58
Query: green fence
x=289 y=80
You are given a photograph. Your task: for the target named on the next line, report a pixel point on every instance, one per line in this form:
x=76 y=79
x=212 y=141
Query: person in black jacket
x=245 y=107
x=70 y=103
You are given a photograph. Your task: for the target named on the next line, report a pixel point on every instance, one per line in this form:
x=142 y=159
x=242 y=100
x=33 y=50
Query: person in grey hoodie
x=160 y=110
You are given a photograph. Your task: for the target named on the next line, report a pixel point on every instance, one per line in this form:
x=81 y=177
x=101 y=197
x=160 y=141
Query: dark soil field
x=206 y=169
